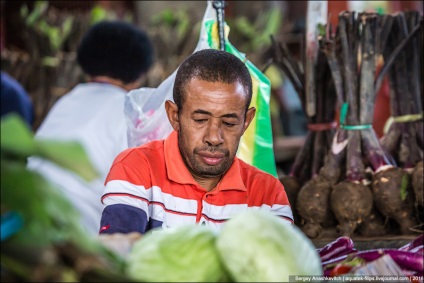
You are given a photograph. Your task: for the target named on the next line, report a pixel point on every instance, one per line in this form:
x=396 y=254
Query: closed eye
x=228 y=124
x=200 y=121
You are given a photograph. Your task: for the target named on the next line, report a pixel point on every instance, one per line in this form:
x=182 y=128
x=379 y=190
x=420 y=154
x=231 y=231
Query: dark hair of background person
x=213 y=66
x=115 y=49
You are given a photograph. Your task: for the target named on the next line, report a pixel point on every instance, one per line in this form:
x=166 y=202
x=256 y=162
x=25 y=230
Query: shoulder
x=148 y=151
x=253 y=176
x=137 y=164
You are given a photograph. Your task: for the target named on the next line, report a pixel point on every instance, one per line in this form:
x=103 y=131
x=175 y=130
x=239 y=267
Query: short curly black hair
x=213 y=66
x=116 y=49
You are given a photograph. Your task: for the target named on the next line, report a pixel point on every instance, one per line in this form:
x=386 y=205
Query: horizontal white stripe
x=154 y=194
x=124 y=187
x=218 y=212
x=176 y=220
x=227 y=211
x=174 y=203
x=282 y=210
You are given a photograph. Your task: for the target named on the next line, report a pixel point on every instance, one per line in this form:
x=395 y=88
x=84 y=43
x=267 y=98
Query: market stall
x=357 y=199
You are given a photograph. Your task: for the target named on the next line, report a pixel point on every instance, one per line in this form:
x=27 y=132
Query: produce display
x=344 y=176
x=302 y=180
x=363 y=183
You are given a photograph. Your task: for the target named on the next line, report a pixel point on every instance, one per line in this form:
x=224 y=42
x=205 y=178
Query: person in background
x=194 y=176
x=15 y=99
x=115 y=56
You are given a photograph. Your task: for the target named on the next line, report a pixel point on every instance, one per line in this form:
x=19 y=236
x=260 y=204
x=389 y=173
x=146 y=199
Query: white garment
x=92 y=114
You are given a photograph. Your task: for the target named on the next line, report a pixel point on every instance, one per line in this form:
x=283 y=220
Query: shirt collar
x=178 y=172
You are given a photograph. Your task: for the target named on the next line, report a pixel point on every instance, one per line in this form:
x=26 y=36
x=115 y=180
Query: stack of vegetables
x=359 y=183
x=352 y=54
x=404 y=139
x=303 y=178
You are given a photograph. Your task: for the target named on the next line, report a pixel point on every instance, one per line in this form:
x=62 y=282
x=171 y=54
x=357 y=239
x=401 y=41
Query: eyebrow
x=228 y=115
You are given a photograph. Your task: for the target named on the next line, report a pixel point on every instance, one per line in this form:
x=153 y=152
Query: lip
x=211 y=158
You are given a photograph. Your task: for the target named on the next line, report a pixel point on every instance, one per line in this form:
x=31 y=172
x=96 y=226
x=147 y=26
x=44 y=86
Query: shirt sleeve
x=127 y=195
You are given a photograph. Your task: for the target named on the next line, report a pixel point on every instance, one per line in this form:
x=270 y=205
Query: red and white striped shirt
x=149 y=186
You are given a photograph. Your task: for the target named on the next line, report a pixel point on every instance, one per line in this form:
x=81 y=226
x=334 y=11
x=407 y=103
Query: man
x=194 y=176
x=115 y=56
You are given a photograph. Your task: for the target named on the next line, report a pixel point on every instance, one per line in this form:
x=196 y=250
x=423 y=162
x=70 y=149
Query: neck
x=109 y=80
x=208 y=183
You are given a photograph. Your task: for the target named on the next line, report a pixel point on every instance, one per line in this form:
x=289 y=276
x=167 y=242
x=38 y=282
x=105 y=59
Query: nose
x=213 y=136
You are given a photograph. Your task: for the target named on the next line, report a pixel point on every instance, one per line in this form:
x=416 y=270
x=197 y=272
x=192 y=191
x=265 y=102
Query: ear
x=172 y=113
x=250 y=114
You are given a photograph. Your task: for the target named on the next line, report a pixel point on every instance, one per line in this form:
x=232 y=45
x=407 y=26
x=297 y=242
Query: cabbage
x=256 y=246
x=181 y=254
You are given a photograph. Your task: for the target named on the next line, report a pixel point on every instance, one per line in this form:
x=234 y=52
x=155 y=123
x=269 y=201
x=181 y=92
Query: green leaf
x=50 y=61
x=24 y=11
x=404 y=187
x=321 y=29
x=46 y=213
x=40 y=8
x=183 y=25
x=69 y=155
x=16 y=137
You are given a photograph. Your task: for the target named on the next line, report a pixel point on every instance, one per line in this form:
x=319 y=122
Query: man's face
x=211 y=123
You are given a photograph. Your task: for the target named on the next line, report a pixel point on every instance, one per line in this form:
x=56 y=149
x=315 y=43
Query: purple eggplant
x=405 y=259
x=333 y=261
x=413 y=244
x=418 y=249
x=340 y=246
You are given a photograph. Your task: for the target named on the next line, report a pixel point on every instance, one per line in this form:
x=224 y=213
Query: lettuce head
x=182 y=254
x=257 y=246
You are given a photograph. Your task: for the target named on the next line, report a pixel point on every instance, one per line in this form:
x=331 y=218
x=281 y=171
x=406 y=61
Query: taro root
x=373 y=225
x=417 y=183
x=321 y=123
x=292 y=188
x=352 y=204
x=394 y=197
x=352 y=53
x=314 y=208
x=404 y=139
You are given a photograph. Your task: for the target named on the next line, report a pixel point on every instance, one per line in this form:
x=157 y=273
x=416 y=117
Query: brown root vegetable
x=292 y=188
x=351 y=204
x=417 y=176
x=373 y=225
x=313 y=206
x=417 y=183
x=394 y=197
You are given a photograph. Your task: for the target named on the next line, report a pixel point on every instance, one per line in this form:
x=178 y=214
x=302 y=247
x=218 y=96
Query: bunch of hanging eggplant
x=321 y=126
x=404 y=139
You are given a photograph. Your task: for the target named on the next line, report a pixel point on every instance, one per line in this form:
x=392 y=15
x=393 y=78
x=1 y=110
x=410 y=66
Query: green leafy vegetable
x=17 y=140
x=256 y=246
x=183 y=254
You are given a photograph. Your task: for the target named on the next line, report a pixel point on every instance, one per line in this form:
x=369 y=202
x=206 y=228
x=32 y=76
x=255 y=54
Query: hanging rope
x=219 y=6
